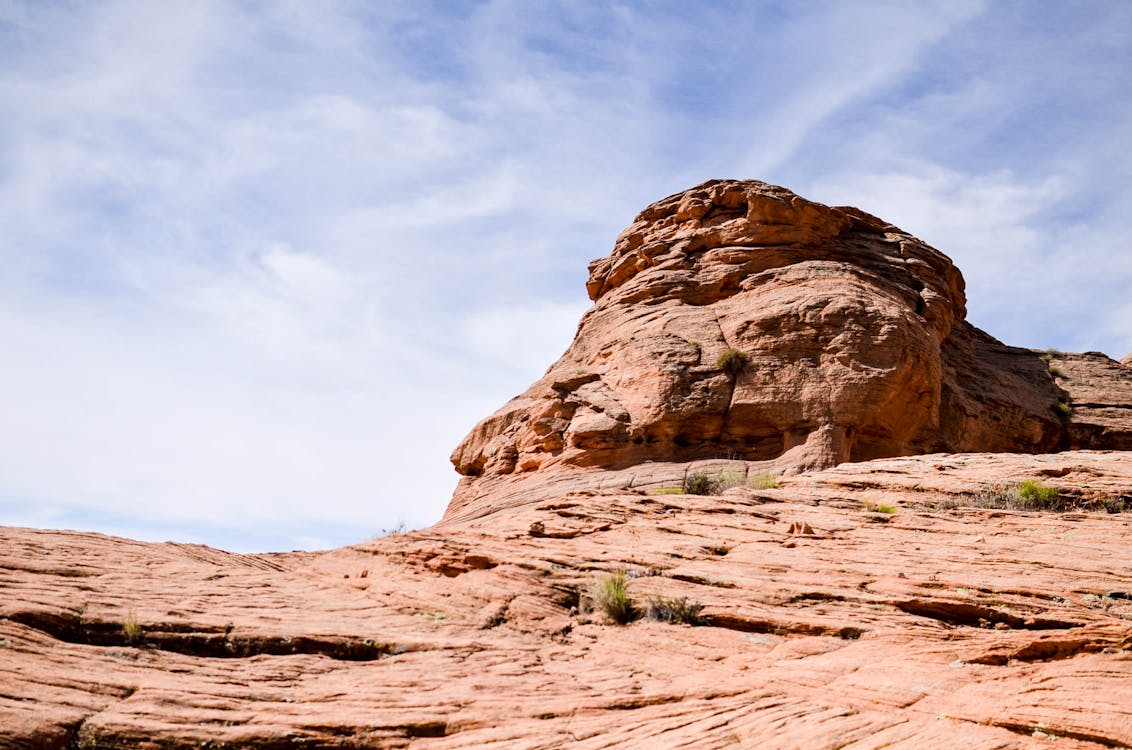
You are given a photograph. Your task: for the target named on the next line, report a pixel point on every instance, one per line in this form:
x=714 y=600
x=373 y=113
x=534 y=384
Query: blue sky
x=264 y=264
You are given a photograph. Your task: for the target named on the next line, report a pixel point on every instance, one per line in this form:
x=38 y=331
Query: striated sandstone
x=856 y=346
x=827 y=624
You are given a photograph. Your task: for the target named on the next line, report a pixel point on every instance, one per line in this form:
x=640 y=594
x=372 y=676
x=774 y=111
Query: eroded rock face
x=852 y=338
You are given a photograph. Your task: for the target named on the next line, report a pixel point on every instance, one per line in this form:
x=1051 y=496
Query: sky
x=264 y=264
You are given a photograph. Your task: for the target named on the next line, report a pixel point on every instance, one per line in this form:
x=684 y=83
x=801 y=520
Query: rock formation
x=738 y=320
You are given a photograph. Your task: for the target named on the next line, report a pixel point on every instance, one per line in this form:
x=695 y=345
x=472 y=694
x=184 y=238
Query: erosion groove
x=773 y=627
x=190 y=640
x=961 y=613
x=1053 y=733
x=1053 y=650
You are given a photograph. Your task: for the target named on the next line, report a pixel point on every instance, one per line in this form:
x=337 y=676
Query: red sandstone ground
x=828 y=624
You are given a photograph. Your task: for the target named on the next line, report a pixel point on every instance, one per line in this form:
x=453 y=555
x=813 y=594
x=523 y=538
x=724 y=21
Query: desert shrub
x=132 y=629
x=1056 y=372
x=1114 y=504
x=1034 y=494
x=1028 y=495
x=733 y=362
x=610 y=594
x=675 y=610
x=698 y=483
x=764 y=481
x=1063 y=408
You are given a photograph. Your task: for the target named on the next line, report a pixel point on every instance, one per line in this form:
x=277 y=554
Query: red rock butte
x=738 y=320
x=918 y=538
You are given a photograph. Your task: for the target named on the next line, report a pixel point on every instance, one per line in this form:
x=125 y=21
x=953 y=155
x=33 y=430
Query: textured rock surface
x=855 y=341
x=828 y=624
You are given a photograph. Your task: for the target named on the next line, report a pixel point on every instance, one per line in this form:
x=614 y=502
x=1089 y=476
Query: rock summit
x=737 y=320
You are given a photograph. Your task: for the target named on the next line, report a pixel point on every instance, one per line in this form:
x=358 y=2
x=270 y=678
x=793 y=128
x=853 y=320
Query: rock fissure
x=196 y=641
x=961 y=613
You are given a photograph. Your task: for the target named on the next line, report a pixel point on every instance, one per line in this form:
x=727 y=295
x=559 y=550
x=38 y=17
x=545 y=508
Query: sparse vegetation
x=733 y=362
x=675 y=610
x=1056 y=372
x=397 y=530
x=889 y=509
x=1063 y=408
x=705 y=483
x=610 y=594
x=1115 y=504
x=1034 y=494
x=698 y=483
x=764 y=480
x=132 y=629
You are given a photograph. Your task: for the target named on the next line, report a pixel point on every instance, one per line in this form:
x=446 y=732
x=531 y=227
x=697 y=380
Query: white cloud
x=263 y=267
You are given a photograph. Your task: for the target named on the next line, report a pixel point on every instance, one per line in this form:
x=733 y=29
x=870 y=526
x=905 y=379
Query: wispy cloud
x=263 y=266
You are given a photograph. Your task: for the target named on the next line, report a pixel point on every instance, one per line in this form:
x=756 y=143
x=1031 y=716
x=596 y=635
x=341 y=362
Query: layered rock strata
x=738 y=320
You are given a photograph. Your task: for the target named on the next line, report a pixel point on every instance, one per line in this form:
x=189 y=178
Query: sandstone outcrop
x=738 y=320
x=850 y=608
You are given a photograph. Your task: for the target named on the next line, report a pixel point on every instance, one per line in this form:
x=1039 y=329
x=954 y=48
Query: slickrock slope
x=827 y=624
x=854 y=341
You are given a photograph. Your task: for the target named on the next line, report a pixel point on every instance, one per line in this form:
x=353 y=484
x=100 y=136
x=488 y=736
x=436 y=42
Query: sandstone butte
x=867 y=576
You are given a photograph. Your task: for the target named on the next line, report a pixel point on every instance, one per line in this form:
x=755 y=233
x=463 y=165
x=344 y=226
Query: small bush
x=675 y=610
x=1028 y=495
x=889 y=509
x=1114 y=504
x=1034 y=494
x=1056 y=372
x=132 y=629
x=1063 y=408
x=733 y=362
x=698 y=483
x=610 y=594
x=764 y=481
